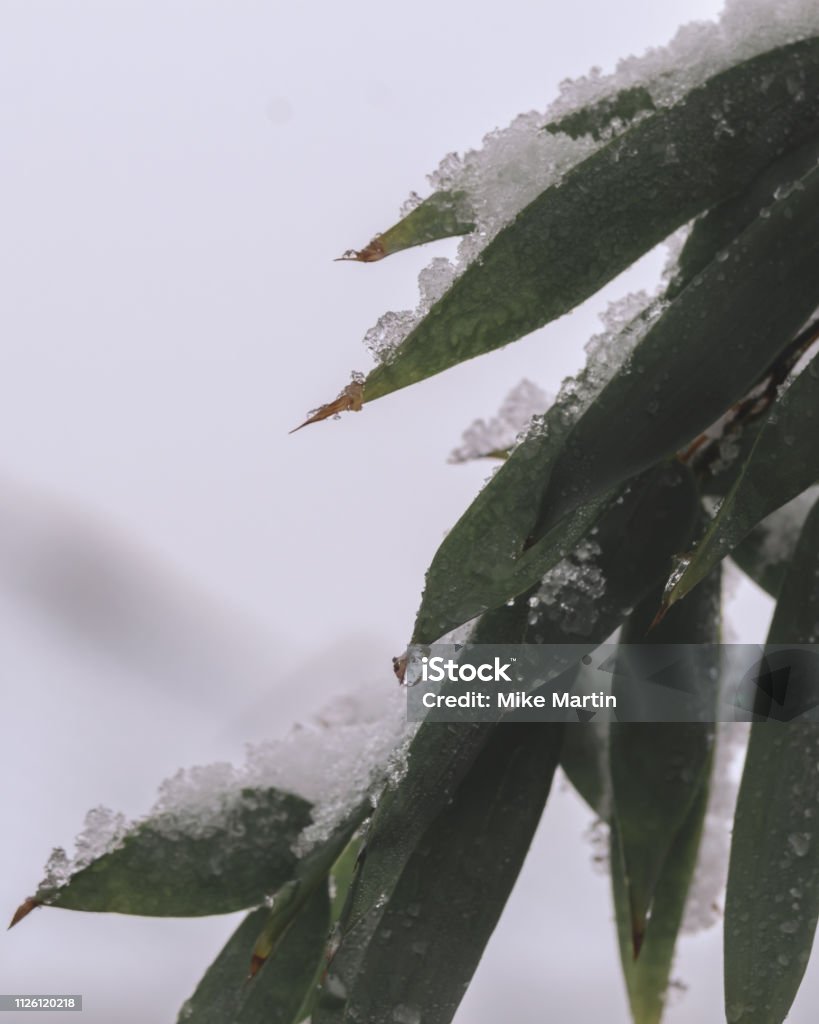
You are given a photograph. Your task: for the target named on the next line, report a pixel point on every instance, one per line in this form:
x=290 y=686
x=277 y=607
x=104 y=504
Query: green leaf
x=647 y=977
x=441 y=215
x=706 y=351
x=659 y=768
x=311 y=873
x=585 y=763
x=613 y=207
x=772 y=903
x=165 y=868
x=585 y=759
x=718 y=228
x=479 y=567
x=783 y=462
x=275 y=994
x=636 y=545
x=439 y=915
x=610 y=113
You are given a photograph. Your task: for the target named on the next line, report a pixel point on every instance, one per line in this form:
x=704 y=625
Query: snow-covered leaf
x=606 y=115
x=441 y=911
x=707 y=350
x=476 y=569
x=609 y=209
x=171 y=866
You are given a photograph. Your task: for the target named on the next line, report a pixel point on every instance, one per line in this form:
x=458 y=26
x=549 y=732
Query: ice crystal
x=515 y=164
x=499 y=434
x=351 y=750
x=569 y=593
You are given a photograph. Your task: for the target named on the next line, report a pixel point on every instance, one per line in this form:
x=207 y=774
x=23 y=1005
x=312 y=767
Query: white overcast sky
x=177 y=574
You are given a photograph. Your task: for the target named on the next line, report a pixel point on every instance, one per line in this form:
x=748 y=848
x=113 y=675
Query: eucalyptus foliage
x=683 y=453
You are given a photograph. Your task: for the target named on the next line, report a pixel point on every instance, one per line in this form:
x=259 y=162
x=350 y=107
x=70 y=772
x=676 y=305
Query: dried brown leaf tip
x=350 y=400
x=256 y=964
x=369 y=254
x=24 y=910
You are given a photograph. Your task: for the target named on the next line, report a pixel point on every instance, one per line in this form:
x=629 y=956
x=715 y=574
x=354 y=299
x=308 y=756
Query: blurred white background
x=177 y=574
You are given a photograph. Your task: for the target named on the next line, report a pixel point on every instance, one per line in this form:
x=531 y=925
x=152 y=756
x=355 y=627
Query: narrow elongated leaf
x=276 y=993
x=714 y=232
x=708 y=349
x=783 y=462
x=772 y=903
x=311 y=873
x=166 y=868
x=479 y=564
x=635 y=549
x=441 y=215
x=341 y=879
x=472 y=571
x=658 y=769
x=610 y=113
x=613 y=207
x=445 y=906
x=648 y=976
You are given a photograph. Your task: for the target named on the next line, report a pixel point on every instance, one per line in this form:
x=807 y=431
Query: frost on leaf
x=570 y=593
x=478 y=193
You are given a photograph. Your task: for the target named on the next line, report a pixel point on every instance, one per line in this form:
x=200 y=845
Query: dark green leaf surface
x=476 y=568
x=715 y=231
x=706 y=351
x=163 y=870
x=658 y=769
x=647 y=977
x=613 y=207
x=585 y=762
x=783 y=462
x=226 y=995
x=452 y=890
x=612 y=112
x=772 y=901
x=635 y=551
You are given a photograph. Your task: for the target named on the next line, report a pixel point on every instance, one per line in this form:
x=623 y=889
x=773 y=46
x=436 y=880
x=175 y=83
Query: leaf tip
x=371 y=253
x=256 y=964
x=351 y=399
x=24 y=910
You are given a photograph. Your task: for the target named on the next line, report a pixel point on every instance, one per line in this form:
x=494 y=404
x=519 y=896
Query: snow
x=500 y=434
x=782 y=528
x=570 y=592
x=515 y=164
x=703 y=908
x=347 y=754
